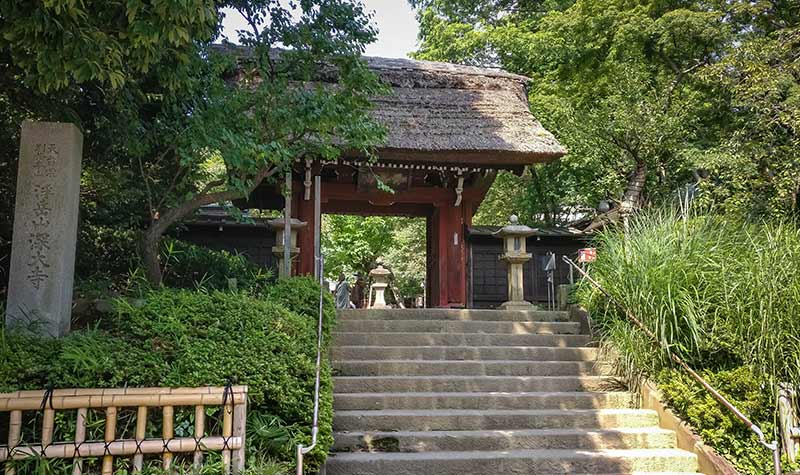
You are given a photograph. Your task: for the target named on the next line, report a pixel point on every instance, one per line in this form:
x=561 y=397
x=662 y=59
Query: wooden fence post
x=80 y=437
x=167 y=433
x=110 y=435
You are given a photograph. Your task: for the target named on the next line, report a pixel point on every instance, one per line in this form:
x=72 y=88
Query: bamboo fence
x=231 y=442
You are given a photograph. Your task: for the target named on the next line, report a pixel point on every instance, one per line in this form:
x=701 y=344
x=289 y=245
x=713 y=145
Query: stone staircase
x=462 y=392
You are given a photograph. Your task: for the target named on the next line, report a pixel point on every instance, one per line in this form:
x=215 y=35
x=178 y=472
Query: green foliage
x=694 y=91
x=407 y=257
x=723 y=294
x=184 y=338
x=56 y=44
x=301 y=294
x=105 y=253
x=156 y=103
x=108 y=263
x=190 y=266
x=716 y=425
x=355 y=244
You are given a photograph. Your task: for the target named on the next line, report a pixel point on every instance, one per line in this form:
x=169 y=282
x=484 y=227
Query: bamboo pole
x=227 y=432
x=239 y=432
x=99 y=401
x=141 y=433
x=199 y=431
x=167 y=433
x=110 y=435
x=120 y=447
x=14 y=430
x=80 y=437
x=39 y=394
x=48 y=426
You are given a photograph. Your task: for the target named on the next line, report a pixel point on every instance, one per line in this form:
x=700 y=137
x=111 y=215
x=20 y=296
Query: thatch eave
x=445 y=113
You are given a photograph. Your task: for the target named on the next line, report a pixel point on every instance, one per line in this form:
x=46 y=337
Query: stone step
x=477 y=401
x=469 y=368
x=529 y=439
x=416 y=384
x=466 y=353
x=496 y=419
x=456 y=339
x=452 y=314
x=443 y=326
x=513 y=462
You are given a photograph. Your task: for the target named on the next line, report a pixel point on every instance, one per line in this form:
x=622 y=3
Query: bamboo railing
x=231 y=442
x=787 y=417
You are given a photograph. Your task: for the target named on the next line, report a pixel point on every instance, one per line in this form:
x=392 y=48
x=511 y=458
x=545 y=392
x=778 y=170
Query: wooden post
x=317 y=226
x=80 y=437
x=110 y=435
x=199 y=430
x=48 y=424
x=167 y=433
x=14 y=430
x=239 y=430
x=227 y=431
x=287 y=229
x=141 y=433
x=787 y=420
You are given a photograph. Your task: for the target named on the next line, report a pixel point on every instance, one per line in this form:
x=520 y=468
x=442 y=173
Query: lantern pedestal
x=380 y=281
x=278 y=225
x=515 y=256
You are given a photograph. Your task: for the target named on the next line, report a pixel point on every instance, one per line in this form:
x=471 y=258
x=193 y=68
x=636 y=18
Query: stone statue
x=342 y=293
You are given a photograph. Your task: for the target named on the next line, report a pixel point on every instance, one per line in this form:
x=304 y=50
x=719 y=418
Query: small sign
x=588 y=254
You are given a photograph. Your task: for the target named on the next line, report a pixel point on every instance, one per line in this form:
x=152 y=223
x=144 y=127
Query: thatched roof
x=447 y=113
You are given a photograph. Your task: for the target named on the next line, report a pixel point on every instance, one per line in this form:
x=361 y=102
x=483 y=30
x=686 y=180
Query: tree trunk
x=151 y=239
x=632 y=199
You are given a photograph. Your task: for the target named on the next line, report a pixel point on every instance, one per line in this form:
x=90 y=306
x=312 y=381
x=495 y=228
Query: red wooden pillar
x=304 y=211
x=448 y=263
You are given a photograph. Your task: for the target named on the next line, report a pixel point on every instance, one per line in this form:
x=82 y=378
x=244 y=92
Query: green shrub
x=190 y=266
x=722 y=294
x=717 y=426
x=301 y=294
x=108 y=263
x=189 y=338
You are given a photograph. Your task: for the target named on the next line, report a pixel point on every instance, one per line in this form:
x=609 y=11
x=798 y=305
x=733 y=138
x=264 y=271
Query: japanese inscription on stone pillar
x=45 y=228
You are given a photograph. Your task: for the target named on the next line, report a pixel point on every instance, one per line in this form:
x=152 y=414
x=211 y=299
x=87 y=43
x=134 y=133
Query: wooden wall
x=487 y=278
x=255 y=241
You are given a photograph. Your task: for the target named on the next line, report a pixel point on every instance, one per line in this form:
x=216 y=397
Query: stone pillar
x=562 y=296
x=380 y=280
x=515 y=255
x=45 y=228
x=278 y=225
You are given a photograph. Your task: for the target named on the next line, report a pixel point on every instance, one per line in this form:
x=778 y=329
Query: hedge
x=179 y=337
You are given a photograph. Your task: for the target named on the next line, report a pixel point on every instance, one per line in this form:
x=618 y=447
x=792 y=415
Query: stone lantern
x=515 y=255
x=278 y=225
x=380 y=280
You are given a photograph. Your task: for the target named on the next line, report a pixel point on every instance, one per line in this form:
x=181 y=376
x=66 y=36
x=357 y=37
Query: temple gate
x=450 y=129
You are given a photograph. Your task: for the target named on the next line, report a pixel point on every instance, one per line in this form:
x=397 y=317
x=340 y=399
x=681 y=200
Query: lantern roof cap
x=280 y=222
x=379 y=271
x=515 y=229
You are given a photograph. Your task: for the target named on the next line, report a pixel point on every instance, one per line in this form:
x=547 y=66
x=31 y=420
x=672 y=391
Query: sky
x=395 y=20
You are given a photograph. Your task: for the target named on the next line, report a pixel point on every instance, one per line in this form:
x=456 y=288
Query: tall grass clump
x=723 y=294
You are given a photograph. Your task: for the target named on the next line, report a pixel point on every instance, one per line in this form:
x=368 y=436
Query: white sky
x=397 y=27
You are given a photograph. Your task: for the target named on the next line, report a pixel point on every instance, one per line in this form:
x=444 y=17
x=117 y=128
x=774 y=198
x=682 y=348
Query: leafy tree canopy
x=184 y=120
x=648 y=96
x=354 y=244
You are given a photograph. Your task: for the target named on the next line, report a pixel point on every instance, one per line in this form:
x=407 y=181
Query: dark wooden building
x=215 y=229
x=488 y=281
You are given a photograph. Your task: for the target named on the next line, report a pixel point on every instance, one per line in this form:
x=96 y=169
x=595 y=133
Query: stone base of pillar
x=518 y=305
